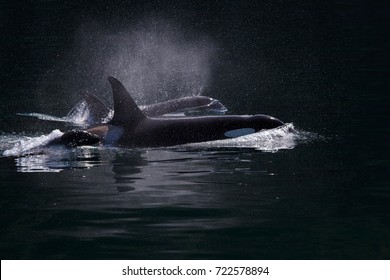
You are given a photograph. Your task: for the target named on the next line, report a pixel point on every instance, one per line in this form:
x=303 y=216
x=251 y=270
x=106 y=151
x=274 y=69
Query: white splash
x=79 y=115
x=271 y=140
x=31 y=144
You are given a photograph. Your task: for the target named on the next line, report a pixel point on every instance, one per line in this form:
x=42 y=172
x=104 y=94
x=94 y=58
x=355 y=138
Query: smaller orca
x=130 y=127
x=186 y=105
x=91 y=110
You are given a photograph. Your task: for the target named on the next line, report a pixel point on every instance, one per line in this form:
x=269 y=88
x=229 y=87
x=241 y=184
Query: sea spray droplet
x=25 y=146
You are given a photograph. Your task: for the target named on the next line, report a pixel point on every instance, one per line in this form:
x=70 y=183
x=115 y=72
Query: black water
x=322 y=65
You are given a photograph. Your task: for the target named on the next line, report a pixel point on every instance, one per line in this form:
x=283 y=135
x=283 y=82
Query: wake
x=285 y=137
x=26 y=145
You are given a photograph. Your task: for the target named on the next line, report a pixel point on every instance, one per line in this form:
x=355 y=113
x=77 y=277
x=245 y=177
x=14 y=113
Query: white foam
x=28 y=145
x=272 y=140
x=80 y=114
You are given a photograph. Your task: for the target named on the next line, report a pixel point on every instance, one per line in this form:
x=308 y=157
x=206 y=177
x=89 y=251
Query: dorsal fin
x=125 y=109
x=97 y=110
x=95 y=105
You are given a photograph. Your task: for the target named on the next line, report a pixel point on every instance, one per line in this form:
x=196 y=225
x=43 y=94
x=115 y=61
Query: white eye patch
x=239 y=132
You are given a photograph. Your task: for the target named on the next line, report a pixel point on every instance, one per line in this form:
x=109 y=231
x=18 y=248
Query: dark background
x=296 y=59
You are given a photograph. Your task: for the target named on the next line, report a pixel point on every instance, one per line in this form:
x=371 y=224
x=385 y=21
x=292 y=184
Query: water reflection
x=162 y=189
x=156 y=177
x=35 y=163
x=134 y=199
x=58 y=159
x=163 y=203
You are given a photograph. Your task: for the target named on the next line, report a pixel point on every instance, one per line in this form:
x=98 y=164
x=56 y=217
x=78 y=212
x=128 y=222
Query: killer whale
x=187 y=105
x=130 y=127
x=91 y=110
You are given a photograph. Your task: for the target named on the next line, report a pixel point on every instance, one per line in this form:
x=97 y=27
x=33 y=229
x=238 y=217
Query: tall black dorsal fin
x=125 y=109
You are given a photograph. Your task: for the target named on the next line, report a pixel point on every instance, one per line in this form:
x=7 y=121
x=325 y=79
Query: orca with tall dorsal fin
x=130 y=127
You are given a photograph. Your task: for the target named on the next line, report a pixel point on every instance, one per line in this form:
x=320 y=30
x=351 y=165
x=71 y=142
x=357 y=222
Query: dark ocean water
x=323 y=66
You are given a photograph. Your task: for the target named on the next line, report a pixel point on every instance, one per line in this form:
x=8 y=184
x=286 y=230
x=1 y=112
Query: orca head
x=203 y=105
x=271 y=122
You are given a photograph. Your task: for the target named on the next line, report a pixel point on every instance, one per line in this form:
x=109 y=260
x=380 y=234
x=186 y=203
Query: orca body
x=187 y=105
x=158 y=132
x=130 y=127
